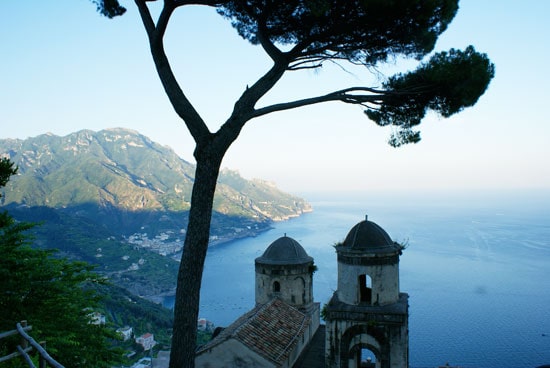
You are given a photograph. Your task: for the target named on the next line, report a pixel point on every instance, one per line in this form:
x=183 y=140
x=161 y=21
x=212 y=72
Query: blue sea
x=476 y=268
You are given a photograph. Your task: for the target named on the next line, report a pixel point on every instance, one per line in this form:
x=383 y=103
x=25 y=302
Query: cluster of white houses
x=147 y=340
x=366 y=312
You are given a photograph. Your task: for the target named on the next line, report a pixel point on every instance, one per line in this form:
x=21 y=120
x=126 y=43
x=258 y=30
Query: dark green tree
x=303 y=35
x=7 y=169
x=50 y=294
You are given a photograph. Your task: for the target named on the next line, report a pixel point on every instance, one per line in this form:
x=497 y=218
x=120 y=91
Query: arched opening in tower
x=362 y=357
x=367 y=359
x=365 y=289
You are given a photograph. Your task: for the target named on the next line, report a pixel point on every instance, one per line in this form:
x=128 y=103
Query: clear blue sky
x=64 y=68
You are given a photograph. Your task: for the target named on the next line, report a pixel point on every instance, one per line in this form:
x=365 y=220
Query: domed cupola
x=368 y=237
x=285 y=271
x=368 y=262
x=284 y=251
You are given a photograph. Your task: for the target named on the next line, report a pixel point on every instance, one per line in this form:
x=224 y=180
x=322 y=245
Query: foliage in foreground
x=48 y=292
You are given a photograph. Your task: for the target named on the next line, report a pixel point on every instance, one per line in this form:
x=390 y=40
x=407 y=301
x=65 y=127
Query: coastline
x=223 y=241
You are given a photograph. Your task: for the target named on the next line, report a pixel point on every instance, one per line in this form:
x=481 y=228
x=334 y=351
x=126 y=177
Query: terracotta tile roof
x=271 y=330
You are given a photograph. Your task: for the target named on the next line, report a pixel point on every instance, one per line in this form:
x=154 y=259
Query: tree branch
x=269 y=47
x=162 y=22
x=302 y=63
x=179 y=101
x=345 y=95
x=177 y=3
x=243 y=110
x=146 y=18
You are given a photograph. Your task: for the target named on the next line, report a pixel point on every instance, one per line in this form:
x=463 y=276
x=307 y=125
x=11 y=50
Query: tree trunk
x=186 y=307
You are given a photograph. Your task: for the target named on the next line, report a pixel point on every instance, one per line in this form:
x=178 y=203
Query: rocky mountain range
x=119 y=200
x=124 y=169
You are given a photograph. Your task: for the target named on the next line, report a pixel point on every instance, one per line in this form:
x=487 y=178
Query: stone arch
x=356 y=351
x=362 y=335
x=276 y=287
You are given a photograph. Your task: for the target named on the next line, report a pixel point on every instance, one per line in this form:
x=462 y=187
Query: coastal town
x=169 y=243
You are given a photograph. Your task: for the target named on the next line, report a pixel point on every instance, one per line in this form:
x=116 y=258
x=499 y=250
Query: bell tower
x=367 y=311
x=285 y=271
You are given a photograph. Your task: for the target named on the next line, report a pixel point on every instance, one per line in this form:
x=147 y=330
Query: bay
x=476 y=268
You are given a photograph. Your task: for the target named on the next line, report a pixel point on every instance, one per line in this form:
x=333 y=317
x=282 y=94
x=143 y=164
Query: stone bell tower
x=367 y=311
x=285 y=271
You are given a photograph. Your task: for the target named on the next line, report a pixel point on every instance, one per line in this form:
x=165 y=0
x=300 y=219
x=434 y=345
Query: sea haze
x=476 y=269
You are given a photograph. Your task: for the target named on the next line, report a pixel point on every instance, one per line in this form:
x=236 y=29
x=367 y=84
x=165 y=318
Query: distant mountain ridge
x=120 y=201
x=124 y=169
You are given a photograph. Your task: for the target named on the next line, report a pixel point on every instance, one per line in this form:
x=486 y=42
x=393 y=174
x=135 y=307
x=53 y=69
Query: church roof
x=370 y=237
x=272 y=330
x=284 y=251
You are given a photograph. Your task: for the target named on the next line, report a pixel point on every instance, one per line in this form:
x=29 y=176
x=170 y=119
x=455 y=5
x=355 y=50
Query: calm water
x=476 y=270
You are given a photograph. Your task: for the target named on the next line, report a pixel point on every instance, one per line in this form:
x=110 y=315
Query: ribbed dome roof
x=284 y=250
x=368 y=236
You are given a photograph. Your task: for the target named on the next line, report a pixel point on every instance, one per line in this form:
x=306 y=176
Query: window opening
x=365 y=289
